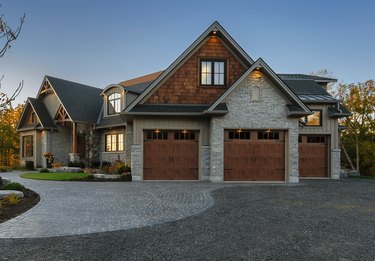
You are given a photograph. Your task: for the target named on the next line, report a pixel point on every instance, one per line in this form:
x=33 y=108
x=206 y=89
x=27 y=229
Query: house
x=214 y=114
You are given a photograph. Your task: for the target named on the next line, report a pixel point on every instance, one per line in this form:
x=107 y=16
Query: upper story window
x=114 y=103
x=314 y=119
x=213 y=72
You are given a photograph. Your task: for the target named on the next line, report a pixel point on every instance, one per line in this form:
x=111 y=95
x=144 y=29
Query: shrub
x=56 y=165
x=123 y=169
x=76 y=164
x=1 y=181
x=13 y=199
x=44 y=171
x=14 y=186
x=127 y=177
x=90 y=177
x=106 y=163
x=3 y=169
x=95 y=164
x=1 y=206
x=29 y=165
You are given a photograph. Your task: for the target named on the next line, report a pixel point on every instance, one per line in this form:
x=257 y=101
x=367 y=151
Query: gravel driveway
x=320 y=220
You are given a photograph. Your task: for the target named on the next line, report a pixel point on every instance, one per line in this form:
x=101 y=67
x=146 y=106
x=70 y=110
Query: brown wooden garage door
x=254 y=155
x=313 y=156
x=170 y=155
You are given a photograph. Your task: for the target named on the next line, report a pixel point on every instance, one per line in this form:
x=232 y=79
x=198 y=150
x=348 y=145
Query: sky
x=100 y=42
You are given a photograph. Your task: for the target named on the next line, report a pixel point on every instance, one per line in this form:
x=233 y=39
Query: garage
x=170 y=154
x=254 y=155
x=313 y=156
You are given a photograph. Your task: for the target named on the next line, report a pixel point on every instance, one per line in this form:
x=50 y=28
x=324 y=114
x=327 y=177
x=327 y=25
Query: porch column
x=74 y=155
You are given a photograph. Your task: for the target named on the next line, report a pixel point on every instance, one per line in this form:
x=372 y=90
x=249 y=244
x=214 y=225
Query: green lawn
x=363 y=177
x=59 y=176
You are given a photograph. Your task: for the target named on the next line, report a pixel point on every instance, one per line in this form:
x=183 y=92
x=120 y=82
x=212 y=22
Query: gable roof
x=45 y=120
x=82 y=102
x=215 y=28
x=299 y=106
x=141 y=79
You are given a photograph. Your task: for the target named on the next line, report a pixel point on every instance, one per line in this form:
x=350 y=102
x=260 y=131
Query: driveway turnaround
x=320 y=220
x=71 y=208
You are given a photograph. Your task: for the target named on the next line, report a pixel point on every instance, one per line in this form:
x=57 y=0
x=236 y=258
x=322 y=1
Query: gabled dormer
x=114 y=100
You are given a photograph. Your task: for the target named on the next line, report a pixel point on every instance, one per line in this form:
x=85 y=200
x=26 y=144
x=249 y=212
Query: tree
x=9 y=138
x=359 y=138
x=7 y=36
x=327 y=74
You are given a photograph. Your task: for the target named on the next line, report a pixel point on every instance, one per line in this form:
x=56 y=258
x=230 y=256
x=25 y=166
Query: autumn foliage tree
x=9 y=116
x=359 y=138
x=9 y=138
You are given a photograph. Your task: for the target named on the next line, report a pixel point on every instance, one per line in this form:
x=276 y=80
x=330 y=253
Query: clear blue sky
x=99 y=42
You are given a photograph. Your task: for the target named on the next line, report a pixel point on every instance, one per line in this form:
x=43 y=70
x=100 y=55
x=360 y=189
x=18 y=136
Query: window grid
x=157 y=135
x=268 y=135
x=312 y=139
x=239 y=135
x=114 y=103
x=27 y=146
x=114 y=142
x=184 y=135
x=213 y=72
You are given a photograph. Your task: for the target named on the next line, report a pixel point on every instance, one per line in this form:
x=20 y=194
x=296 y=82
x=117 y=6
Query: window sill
x=213 y=86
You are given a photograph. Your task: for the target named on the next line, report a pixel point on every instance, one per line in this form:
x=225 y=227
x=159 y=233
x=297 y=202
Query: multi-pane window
x=184 y=135
x=316 y=139
x=213 y=72
x=314 y=119
x=27 y=146
x=156 y=135
x=268 y=135
x=239 y=135
x=114 y=142
x=114 y=103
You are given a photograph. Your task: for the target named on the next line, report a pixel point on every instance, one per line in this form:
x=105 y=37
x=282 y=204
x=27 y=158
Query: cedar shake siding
x=183 y=87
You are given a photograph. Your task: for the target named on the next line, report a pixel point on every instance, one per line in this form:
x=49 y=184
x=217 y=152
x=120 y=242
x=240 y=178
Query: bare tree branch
x=8 y=35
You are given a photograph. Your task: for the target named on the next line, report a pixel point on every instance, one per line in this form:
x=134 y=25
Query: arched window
x=114 y=103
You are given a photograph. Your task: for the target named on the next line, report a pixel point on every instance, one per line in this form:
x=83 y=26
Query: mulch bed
x=11 y=211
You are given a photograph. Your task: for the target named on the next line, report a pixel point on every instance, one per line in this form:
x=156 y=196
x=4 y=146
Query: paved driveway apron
x=71 y=208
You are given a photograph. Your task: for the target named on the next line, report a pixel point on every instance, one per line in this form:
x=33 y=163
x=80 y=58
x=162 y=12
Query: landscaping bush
x=3 y=169
x=95 y=164
x=44 y=171
x=123 y=169
x=1 y=206
x=29 y=165
x=1 y=181
x=76 y=164
x=14 y=186
x=90 y=177
x=127 y=177
x=13 y=199
x=56 y=165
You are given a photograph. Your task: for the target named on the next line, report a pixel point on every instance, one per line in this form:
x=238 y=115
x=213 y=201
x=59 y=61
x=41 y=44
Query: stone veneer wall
x=136 y=162
x=335 y=163
x=112 y=156
x=268 y=111
x=205 y=162
x=59 y=143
